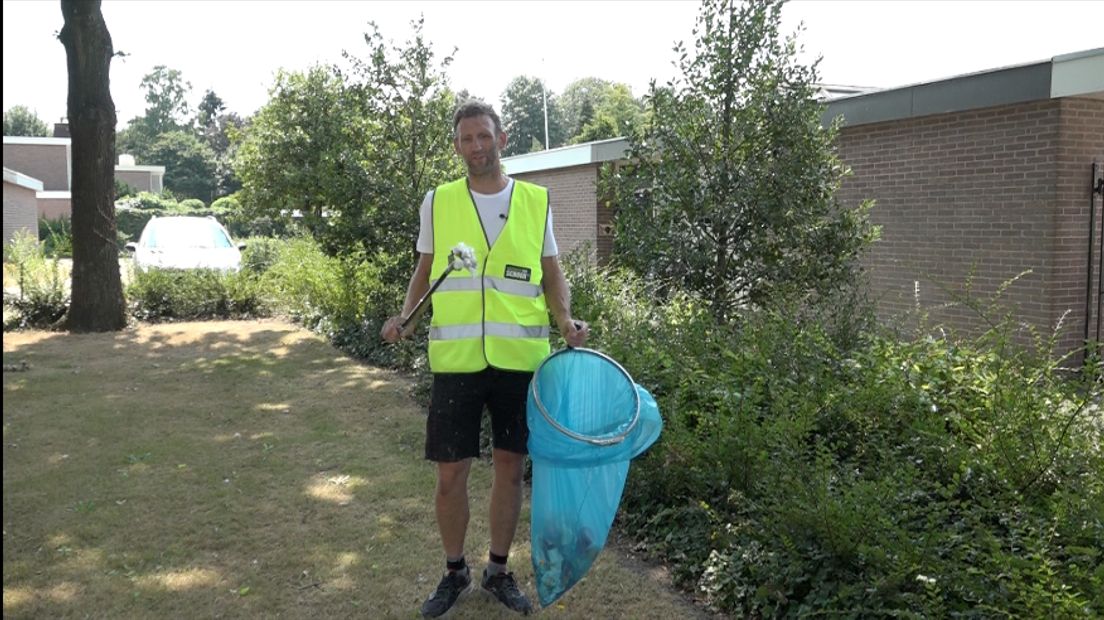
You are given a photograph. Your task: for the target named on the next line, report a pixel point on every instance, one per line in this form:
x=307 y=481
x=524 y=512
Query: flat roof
x=38 y=141
x=160 y=169
x=567 y=156
x=1080 y=74
x=22 y=180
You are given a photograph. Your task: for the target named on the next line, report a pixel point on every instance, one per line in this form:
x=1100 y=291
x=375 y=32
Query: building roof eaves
x=567 y=156
x=18 y=178
x=1079 y=73
x=36 y=140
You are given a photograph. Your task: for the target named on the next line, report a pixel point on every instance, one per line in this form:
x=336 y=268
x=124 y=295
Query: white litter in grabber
x=462 y=256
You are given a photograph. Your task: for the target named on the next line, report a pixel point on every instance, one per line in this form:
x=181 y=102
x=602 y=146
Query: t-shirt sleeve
x=550 y=248
x=425 y=228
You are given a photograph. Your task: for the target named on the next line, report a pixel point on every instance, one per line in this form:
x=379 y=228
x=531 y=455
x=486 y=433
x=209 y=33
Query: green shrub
x=124 y=189
x=226 y=203
x=345 y=298
x=57 y=237
x=148 y=201
x=811 y=466
x=169 y=294
x=192 y=204
x=260 y=254
x=129 y=223
x=43 y=292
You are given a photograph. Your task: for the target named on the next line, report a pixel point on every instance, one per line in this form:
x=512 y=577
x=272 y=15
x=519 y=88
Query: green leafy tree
x=167 y=99
x=215 y=128
x=222 y=137
x=209 y=109
x=731 y=189
x=523 y=116
x=405 y=113
x=353 y=151
x=190 y=165
x=21 y=121
x=579 y=101
x=618 y=114
x=300 y=155
x=167 y=110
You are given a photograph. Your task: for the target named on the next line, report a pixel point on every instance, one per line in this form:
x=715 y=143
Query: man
x=487 y=336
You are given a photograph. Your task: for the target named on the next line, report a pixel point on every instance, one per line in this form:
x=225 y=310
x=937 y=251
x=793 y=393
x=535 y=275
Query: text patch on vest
x=514 y=272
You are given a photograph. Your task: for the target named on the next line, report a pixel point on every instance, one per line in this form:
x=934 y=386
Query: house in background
x=976 y=178
x=579 y=218
x=50 y=162
x=979 y=178
x=20 y=203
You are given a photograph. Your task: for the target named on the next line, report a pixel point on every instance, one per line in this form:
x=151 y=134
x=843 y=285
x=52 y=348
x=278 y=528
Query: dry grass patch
x=236 y=469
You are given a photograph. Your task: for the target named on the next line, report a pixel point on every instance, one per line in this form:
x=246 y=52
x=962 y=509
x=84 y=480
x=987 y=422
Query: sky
x=235 y=47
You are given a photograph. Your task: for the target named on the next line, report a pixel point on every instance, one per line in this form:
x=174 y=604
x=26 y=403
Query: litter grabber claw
x=461 y=257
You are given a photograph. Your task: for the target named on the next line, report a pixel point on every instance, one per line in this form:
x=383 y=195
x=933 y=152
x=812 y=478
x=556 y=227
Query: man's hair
x=471 y=109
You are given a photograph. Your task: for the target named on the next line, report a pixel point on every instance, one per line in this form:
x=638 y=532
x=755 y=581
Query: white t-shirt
x=493 y=210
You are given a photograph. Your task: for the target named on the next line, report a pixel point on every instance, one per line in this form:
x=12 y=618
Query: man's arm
x=558 y=296
x=419 y=285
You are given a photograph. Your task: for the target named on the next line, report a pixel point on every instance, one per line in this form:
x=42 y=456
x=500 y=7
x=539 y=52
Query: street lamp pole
x=544 y=97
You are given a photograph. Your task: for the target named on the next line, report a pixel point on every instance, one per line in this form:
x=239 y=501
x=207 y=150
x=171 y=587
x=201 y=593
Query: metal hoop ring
x=604 y=440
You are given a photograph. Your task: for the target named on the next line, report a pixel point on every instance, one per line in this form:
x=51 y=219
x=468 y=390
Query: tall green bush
x=57 y=236
x=170 y=294
x=729 y=188
x=345 y=298
x=39 y=294
x=826 y=469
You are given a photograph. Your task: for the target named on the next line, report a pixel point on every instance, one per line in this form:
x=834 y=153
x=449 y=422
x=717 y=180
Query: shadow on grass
x=237 y=469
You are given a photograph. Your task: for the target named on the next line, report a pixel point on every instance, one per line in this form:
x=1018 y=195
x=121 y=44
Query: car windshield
x=179 y=234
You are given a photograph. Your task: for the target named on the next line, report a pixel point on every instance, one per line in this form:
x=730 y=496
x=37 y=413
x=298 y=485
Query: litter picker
x=461 y=257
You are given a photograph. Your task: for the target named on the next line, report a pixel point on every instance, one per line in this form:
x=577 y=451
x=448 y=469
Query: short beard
x=490 y=167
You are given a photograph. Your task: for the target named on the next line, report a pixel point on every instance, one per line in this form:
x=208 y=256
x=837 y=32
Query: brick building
x=50 y=161
x=571 y=175
x=975 y=178
x=20 y=204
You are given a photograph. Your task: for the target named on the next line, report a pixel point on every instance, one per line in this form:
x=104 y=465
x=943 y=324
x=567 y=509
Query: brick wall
x=1080 y=142
x=139 y=180
x=55 y=208
x=46 y=162
x=20 y=211
x=979 y=197
x=573 y=195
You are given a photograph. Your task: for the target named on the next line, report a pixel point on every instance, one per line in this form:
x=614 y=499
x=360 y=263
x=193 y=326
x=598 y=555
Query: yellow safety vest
x=499 y=317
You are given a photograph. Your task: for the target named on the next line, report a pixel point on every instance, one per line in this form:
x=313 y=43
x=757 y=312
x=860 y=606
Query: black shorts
x=456 y=412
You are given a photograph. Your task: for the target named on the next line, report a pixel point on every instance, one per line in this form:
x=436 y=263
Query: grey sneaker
x=452 y=585
x=505 y=588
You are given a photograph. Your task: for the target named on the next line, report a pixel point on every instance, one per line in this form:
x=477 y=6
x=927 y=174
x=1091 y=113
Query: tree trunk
x=97 y=295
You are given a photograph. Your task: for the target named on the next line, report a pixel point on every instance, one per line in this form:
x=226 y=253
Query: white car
x=184 y=242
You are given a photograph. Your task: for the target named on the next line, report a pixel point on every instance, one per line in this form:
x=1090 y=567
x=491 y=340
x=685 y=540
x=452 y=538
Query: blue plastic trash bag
x=587 y=419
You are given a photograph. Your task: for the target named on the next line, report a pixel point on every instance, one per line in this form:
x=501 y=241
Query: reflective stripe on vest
x=476 y=330
x=513 y=287
x=498 y=318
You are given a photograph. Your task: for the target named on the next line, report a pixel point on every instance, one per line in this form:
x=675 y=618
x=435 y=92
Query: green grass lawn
x=238 y=469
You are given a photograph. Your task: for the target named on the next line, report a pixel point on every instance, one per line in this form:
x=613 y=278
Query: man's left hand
x=575 y=332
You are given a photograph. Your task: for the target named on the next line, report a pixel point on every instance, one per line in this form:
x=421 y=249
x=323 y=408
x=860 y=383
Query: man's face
x=479 y=145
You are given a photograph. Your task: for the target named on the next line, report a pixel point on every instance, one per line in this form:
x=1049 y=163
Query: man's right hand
x=390 y=332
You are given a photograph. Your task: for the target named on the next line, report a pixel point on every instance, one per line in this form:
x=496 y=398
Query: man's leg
x=452 y=505
x=506 y=496
x=507 y=405
x=506 y=493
